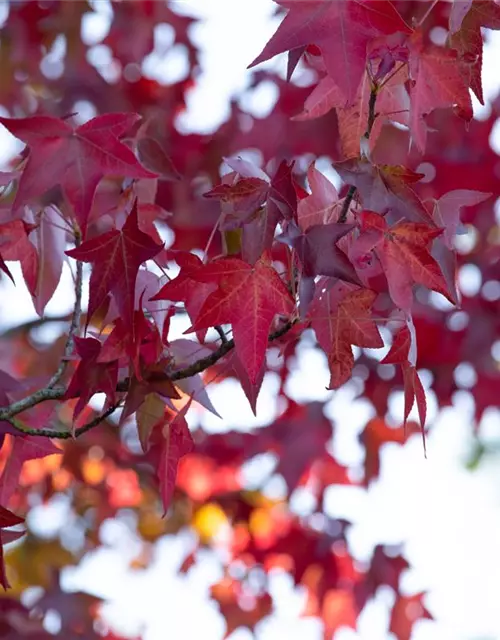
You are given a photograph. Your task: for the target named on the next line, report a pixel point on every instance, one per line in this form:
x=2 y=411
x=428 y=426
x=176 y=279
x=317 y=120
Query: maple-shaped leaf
x=248 y=297
x=74 y=158
x=321 y=206
x=341 y=29
x=466 y=20
x=256 y=203
x=385 y=188
x=403 y=251
x=116 y=257
x=185 y=288
x=170 y=440
x=341 y=317
x=23 y=448
x=15 y=245
x=318 y=252
x=407 y=610
x=142 y=347
x=240 y=196
x=152 y=379
x=404 y=352
x=153 y=157
x=281 y=204
x=91 y=376
x=447 y=209
x=437 y=82
x=7 y=519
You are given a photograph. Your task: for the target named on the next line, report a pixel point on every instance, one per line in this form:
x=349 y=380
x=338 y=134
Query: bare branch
x=62 y=435
x=75 y=320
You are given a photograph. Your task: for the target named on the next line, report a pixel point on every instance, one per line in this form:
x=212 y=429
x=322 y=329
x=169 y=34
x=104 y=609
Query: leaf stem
x=372 y=116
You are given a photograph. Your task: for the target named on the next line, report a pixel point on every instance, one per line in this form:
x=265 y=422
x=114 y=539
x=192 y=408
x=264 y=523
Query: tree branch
x=75 y=320
x=8 y=413
x=61 y=435
x=33 y=324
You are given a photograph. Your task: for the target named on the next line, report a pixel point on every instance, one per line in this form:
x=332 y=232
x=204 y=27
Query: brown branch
x=75 y=320
x=62 y=435
x=8 y=413
x=33 y=324
x=222 y=335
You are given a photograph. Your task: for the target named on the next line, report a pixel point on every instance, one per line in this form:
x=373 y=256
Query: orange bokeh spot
x=93 y=471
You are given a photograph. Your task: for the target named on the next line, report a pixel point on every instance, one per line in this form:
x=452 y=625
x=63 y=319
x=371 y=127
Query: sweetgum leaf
x=74 y=158
x=466 y=20
x=170 y=440
x=91 y=376
x=247 y=297
x=341 y=317
x=437 y=83
x=403 y=251
x=342 y=30
x=116 y=257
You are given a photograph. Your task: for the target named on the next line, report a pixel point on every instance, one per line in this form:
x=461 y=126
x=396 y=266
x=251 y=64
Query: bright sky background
x=448 y=518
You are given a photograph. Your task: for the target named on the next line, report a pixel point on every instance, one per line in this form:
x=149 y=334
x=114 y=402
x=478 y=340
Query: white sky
x=449 y=519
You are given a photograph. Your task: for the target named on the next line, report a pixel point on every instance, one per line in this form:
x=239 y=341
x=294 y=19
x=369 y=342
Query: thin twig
x=222 y=335
x=29 y=325
x=75 y=320
x=8 y=413
x=347 y=203
x=61 y=435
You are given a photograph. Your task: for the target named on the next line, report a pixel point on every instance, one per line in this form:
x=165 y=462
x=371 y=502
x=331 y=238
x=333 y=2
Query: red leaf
x=414 y=391
x=76 y=159
x=23 y=448
x=116 y=257
x=7 y=519
x=406 y=611
x=400 y=348
x=169 y=442
x=49 y=238
x=185 y=288
x=15 y=245
x=247 y=297
x=466 y=20
x=342 y=30
x=447 y=210
x=91 y=376
x=437 y=83
x=404 y=255
x=340 y=318
x=385 y=187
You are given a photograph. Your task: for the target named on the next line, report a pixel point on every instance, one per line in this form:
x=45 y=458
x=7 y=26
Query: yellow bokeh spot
x=209 y=521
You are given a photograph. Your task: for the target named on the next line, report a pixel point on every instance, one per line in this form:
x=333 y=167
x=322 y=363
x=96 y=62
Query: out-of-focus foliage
x=107 y=170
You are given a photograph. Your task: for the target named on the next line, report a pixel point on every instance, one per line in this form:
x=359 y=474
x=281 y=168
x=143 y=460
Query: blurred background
x=313 y=518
